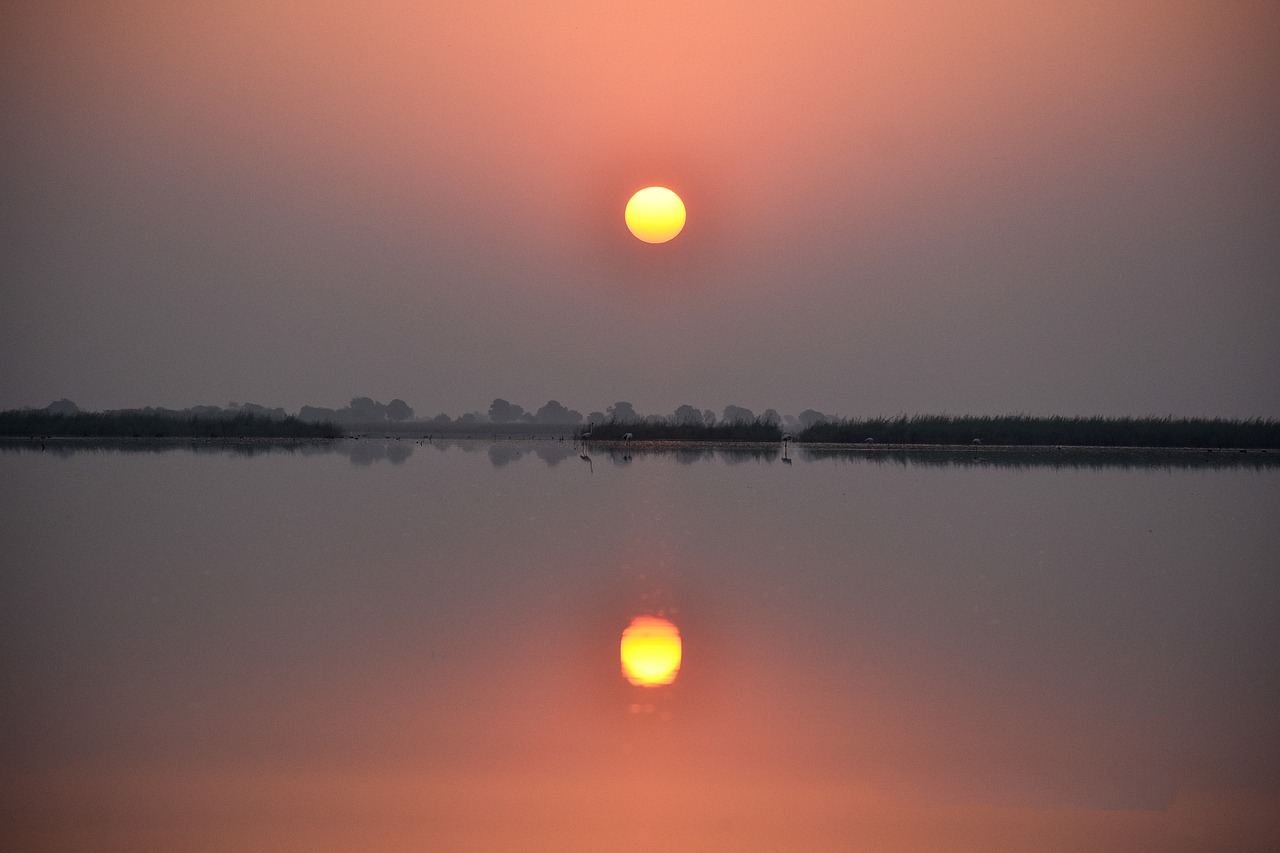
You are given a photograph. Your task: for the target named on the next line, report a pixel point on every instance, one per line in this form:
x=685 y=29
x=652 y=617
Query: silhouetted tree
x=736 y=414
x=364 y=410
x=623 y=412
x=688 y=415
x=809 y=417
x=554 y=413
x=398 y=410
x=771 y=417
x=502 y=412
x=317 y=414
x=62 y=407
x=277 y=413
x=708 y=418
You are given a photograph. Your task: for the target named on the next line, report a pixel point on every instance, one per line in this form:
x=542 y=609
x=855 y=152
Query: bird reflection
x=651 y=651
x=590 y=468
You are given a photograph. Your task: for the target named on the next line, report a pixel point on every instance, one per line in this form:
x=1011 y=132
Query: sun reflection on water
x=650 y=651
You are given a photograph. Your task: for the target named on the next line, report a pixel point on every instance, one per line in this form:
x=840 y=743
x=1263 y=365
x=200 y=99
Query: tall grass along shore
x=1027 y=430
x=129 y=424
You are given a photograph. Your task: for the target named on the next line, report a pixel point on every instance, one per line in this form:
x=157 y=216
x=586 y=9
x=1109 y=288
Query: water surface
x=397 y=645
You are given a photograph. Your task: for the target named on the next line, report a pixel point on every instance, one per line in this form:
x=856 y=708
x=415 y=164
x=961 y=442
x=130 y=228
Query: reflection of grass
x=158 y=425
x=1057 y=430
x=1056 y=458
x=655 y=429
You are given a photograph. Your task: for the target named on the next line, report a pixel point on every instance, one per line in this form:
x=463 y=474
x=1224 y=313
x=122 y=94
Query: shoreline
x=675 y=444
x=646 y=444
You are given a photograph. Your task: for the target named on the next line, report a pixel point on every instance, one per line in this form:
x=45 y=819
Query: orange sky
x=974 y=207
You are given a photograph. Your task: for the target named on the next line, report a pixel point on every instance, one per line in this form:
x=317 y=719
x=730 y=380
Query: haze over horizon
x=981 y=208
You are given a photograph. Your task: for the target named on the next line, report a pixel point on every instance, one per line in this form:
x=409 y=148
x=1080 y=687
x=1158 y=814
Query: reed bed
x=1057 y=430
x=128 y=424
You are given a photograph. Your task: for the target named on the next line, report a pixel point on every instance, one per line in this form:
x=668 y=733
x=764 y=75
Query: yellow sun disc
x=650 y=651
x=655 y=214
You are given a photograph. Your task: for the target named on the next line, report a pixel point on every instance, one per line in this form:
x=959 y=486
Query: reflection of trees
x=738 y=455
x=691 y=455
x=1124 y=459
x=503 y=453
x=241 y=447
x=554 y=453
x=367 y=451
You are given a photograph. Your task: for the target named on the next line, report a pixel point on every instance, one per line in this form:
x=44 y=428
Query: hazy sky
x=893 y=207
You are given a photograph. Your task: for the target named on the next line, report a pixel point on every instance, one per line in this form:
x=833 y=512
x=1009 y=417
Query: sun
x=651 y=651
x=655 y=214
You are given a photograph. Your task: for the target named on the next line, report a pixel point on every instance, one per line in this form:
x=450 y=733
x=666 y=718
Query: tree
x=554 y=413
x=502 y=412
x=317 y=414
x=622 y=412
x=737 y=414
x=398 y=410
x=771 y=417
x=365 y=411
x=708 y=418
x=688 y=415
x=809 y=417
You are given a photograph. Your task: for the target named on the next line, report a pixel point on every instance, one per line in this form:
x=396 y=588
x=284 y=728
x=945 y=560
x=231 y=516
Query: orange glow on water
x=651 y=651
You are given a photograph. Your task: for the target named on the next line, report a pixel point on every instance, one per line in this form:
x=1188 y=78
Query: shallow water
x=396 y=645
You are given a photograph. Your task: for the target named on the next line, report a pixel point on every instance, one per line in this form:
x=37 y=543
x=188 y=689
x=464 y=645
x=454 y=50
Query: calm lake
x=394 y=645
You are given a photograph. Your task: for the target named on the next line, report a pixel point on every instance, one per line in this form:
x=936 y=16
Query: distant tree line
x=688 y=422
x=663 y=429
x=361 y=411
